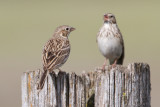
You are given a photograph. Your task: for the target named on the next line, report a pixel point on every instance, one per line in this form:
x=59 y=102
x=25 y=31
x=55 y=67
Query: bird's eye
x=111 y=16
x=67 y=28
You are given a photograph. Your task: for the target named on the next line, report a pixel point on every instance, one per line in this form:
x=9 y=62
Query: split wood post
x=115 y=87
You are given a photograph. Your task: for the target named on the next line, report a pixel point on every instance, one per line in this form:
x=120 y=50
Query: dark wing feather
x=120 y=60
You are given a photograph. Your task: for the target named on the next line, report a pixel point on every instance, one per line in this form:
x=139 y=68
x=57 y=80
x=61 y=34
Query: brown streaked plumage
x=56 y=51
x=110 y=41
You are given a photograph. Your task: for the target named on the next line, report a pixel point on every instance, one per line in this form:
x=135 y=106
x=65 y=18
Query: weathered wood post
x=118 y=87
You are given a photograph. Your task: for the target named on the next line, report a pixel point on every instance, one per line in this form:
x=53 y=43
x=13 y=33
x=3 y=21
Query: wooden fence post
x=115 y=87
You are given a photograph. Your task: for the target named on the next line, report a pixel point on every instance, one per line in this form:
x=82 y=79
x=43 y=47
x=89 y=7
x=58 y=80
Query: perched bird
x=56 y=51
x=110 y=41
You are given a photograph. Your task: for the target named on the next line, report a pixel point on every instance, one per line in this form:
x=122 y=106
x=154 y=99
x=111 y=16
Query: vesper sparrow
x=110 y=41
x=56 y=51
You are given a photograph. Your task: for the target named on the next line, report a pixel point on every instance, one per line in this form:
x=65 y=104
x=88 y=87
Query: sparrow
x=56 y=51
x=110 y=41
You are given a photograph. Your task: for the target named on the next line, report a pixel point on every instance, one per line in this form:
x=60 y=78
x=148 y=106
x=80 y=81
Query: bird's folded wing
x=120 y=60
x=54 y=53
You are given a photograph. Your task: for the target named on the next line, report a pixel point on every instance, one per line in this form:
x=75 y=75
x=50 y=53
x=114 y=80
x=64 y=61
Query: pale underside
x=110 y=41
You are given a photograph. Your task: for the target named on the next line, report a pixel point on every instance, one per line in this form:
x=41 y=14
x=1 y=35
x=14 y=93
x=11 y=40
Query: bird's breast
x=109 y=45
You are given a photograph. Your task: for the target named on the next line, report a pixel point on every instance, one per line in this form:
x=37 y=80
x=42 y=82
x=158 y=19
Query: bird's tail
x=42 y=80
x=120 y=61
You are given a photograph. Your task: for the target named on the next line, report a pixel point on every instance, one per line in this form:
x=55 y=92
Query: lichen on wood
x=115 y=87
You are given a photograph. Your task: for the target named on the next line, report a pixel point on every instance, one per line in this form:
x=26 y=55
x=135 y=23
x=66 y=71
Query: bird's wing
x=55 y=51
x=120 y=60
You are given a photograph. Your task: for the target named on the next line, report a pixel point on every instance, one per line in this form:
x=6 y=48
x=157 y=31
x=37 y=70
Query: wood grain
x=115 y=87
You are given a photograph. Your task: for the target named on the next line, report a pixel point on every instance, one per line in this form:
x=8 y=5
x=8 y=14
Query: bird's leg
x=114 y=64
x=104 y=64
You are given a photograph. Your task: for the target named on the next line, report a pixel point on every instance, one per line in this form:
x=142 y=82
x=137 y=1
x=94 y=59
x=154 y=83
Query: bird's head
x=64 y=30
x=109 y=18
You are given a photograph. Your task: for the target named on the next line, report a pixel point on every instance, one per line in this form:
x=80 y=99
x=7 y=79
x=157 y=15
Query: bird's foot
x=103 y=67
x=113 y=65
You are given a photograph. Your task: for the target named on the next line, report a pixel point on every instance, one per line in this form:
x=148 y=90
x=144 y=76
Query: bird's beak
x=72 y=29
x=105 y=17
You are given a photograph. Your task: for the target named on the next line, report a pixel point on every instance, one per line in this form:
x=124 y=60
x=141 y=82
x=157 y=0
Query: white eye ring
x=67 y=29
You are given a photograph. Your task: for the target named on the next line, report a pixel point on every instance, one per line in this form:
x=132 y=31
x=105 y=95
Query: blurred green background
x=25 y=26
